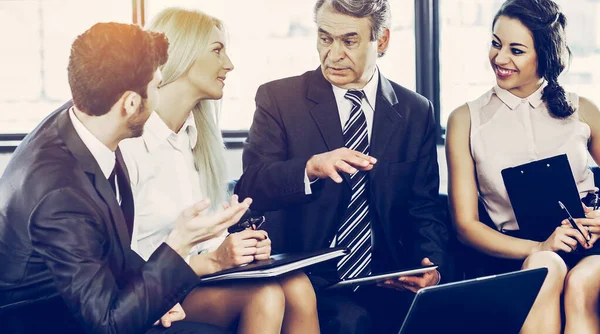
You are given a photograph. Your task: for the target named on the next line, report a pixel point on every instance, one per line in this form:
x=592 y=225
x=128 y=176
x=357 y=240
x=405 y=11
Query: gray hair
x=378 y=11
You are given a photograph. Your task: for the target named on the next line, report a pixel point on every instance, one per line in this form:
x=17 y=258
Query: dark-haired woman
x=527 y=116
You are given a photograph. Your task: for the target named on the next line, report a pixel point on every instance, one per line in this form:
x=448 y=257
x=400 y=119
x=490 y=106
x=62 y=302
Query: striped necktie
x=355 y=230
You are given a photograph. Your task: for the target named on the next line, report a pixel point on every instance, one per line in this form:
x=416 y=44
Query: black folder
x=278 y=264
x=534 y=190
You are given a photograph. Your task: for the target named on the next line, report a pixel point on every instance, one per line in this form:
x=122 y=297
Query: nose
x=228 y=65
x=336 y=51
x=503 y=57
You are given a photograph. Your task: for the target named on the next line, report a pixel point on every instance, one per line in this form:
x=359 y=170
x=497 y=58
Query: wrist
x=308 y=168
x=204 y=264
x=177 y=242
x=212 y=262
x=534 y=248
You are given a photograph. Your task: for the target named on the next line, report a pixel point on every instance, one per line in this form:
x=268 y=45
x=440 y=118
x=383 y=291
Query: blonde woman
x=180 y=159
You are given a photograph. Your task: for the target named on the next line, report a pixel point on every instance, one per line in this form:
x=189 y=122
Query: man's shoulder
x=406 y=95
x=41 y=163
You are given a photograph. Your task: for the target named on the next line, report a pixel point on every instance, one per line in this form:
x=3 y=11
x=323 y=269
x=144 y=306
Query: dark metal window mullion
x=427 y=55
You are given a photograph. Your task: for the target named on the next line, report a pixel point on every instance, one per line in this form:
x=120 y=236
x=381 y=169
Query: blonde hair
x=188 y=32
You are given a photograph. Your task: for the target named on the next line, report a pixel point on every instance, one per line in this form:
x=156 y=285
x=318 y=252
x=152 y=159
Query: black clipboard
x=534 y=190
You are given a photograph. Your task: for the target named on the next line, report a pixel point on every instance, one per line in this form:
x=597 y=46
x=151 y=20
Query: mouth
x=504 y=73
x=222 y=80
x=336 y=70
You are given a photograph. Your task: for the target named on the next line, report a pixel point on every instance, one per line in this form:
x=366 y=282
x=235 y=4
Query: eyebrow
x=350 y=34
x=221 y=44
x=511 y=44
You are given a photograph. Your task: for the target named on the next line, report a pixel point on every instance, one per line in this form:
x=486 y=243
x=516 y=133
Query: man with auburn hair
x=348 y=158
x=66 y=208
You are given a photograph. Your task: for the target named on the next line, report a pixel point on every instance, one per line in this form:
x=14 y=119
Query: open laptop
x=491 y=304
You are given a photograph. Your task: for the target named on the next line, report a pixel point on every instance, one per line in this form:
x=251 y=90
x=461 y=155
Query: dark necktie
x=124 y=191
x=355 y=230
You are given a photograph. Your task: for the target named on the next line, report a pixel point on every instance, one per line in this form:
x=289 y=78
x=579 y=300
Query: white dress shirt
x=345 y=107
x=164 y=181
x=103 y=155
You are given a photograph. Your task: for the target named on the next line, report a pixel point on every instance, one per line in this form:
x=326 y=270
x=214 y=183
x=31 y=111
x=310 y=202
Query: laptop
x=491 y=304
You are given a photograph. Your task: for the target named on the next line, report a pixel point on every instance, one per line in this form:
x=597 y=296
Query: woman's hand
x=263 y=247
x=241 y=248
x=564 y=238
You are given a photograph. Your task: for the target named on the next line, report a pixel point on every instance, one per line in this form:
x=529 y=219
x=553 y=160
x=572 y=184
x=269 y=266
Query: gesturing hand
x=194 y=225
x=329 y=164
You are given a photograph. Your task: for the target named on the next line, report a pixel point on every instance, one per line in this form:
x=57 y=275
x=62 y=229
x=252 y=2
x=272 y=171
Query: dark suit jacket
x=297 y=118
x=64 y=236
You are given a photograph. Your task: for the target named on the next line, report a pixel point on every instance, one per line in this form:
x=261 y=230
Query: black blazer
x=297 y=118
x=64 y=236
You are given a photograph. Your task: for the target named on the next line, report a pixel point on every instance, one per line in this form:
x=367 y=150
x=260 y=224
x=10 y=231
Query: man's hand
x=175 y=314
x=194 y=225
x=416 y=282
x=241 y=248
x=345 y=160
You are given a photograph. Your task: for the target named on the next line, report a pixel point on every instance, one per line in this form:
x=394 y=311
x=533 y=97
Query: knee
x=299 y=294
x=578 y=285
x=557 y=269
x=267 y=298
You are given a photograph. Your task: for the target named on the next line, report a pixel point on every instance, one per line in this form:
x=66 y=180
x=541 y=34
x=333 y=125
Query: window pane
x=465 y=35
x=272 y=39
x=39 y=33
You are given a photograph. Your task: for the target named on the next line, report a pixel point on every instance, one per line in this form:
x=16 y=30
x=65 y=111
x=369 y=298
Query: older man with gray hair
x=342 y=156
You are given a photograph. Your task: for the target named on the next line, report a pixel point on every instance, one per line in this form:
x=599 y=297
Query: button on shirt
x=345 y=107
x=164 y=181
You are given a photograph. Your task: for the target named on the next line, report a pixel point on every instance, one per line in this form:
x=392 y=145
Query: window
x=36 y=36
x=272 y=39
x=269 y=39
x=465 y=30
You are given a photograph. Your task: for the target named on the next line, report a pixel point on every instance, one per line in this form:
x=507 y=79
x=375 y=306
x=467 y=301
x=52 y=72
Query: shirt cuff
x=439 y=278
x=307 y=183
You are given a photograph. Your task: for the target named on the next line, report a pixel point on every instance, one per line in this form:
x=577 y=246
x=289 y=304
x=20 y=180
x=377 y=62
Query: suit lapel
x=92 y=169
x=386 y=118
x=325 y=113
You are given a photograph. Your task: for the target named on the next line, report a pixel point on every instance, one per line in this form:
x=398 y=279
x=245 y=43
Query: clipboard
x=372 y=279
x=534 y=190
x=277 y=265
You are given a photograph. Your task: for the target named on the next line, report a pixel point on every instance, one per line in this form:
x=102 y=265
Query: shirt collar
x=512 y=101
x=103 y=155
x=157 y=132
x=370 y=90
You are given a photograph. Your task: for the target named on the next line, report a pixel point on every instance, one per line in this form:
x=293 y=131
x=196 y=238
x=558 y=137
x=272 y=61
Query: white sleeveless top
x=508 y=131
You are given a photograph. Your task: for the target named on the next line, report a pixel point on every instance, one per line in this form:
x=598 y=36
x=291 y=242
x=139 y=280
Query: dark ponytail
x=547 y=25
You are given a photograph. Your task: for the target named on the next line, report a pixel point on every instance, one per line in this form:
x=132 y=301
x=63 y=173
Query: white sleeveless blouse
x=507 y=131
